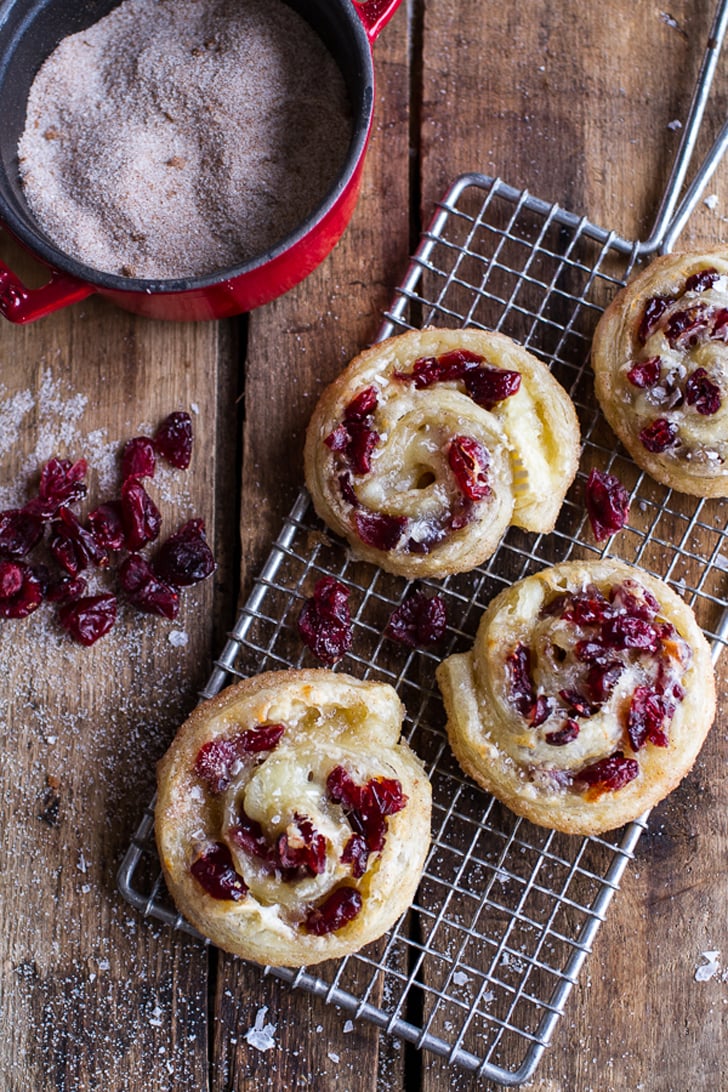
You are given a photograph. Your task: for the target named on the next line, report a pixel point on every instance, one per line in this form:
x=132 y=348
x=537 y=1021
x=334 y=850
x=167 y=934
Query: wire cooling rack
x=480 y=969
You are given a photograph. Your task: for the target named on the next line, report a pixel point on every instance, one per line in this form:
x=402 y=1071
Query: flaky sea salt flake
x=709 y=968
x=261 y=1035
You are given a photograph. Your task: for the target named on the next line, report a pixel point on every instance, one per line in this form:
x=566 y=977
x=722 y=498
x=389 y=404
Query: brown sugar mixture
x=175 y=138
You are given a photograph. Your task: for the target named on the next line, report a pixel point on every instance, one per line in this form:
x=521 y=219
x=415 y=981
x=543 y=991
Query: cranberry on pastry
x=291 y=820
x=660 y=360
x=431 y=444
x=586 y=696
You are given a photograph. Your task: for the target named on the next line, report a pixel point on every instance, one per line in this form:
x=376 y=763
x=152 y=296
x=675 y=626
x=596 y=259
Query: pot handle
x=20 y=304
x=375 y=14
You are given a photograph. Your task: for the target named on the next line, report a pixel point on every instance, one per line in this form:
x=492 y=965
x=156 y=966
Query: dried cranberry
x=632 y=598
x=61 y=482
x=215 y=759
x=215 y=872
x=342 y=789
x=646 y=719
x=541 y=711
x=73 y=547
x=659 y=435
x=338 y=439
x=609 y=774
x=249 y=835
x=20 y=590
x=138 y=459
x=564 y=735
x=20 y=531
x=627 y=631
x=419 y=620
x=107 y=526
x=347 y=489
x=325 y=621
x=488 y=386
x=653 y=312
x=645 y=373
x=362 y=441
x=173 y=440
x=602 y=679
x=185 y=558
x=703 y=393
x=65 y=591
x=88 y=618
x=366 y=806
x=683 y=328
x=589 y=651
x=378 y=529
x=356 y=853
x=362 y=406
x=142 y=519
x=584 y=608
x=145 y=591
x=702 y=280
x=577 y=702
x=720 y=324
x=341 y=907
x=607 y=503
x=305 y=849
x=447 y=367
x=469 y=462
x=518 y=670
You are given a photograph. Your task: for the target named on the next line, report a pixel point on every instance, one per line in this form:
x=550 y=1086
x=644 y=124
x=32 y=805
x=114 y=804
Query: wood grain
x=580 y=104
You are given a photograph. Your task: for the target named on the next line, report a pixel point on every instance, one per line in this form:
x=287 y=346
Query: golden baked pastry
x=430 y=444
x=660 y=360
x=586 y=697
x=292 y=823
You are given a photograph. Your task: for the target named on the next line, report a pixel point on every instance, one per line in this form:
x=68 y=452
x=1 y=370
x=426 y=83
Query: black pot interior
x=30 y=31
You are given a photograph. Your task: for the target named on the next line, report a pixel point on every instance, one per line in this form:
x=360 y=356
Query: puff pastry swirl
x=660 y=360
x=292 y=823
x=430 y=444
x=586 y=697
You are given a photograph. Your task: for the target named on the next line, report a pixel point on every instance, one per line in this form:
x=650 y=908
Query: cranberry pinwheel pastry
x=291 y=820
x=660 y=360
x=586 y=697
x=430 y=444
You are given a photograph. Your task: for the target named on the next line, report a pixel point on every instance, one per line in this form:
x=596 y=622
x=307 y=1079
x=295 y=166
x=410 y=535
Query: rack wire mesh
x=480 y=969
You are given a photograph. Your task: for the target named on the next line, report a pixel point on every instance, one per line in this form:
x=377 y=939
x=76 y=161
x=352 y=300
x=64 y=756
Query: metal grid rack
x=480 y=969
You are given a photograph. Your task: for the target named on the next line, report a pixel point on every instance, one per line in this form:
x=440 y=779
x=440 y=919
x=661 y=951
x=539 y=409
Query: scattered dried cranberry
x=173 y=440
x=645 y=373
x=419 y=620
x=356 y=853
x=518 y=669
x=356 y=436
x=142 y=518
x=215 y=759
x=720 y=324
x=659 y=435
x=325 y=621
x=341 y=907
x=646 y=719
x=541 y=711
x=146 y=591
x=249 y=835
x=185 y=558
x=577 y=702
x=20 y=531
x=609 y=774
x=628 y=631
x=366 y=806
x=20 y=590
x=302 y=847
x=65 y=591
x=564 y=735
x=362 y=441
x=138 y=459
x=378 y=529
x=61 y=482
x=702 y=281
x=703 y=393
x=73 y=547
x=107 y=526
x=607 y=503
x=488 y=386
x=583 y=609
x=215 y=872
x=447 y=367
x=88 y=618
x=469 y=462
x=653 y=312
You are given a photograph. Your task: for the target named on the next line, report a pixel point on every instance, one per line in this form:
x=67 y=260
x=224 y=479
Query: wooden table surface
x=579 y=102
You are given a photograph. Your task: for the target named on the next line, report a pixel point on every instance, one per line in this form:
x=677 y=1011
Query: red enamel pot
x=31 y=29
